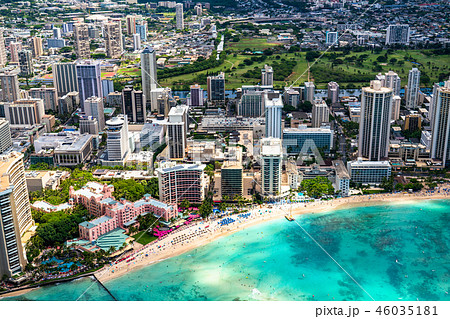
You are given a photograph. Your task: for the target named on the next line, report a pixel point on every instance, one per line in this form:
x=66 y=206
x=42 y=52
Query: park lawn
x=129 y=72
x=145 y=238
x=255 y=44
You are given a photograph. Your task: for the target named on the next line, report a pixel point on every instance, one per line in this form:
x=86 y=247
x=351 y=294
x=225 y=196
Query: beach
x=202 y=233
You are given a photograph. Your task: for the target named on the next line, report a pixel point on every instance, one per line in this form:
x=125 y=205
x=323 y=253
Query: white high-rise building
x=93 y=106
x=3 y=60
x=5 y=135
x=434 y=98
x=9 y=83
x=117 y=143
x=412 y=91
x=65 y=77
x=374 y=125
x=267 y=76
x=393 y=81
x=179 y=16
x=136 y=42
x=397 y=34
x=332 y=38
x=81 y=37
x=310 y=91
x=177 y=131
x=396 y=103
x=273 y=109
x=440 y=145
x=320 y=113
x=15 y=214
x=27 y=112
x=37 y=47
x=48 y=95
x=271 y=160
x=149 y=75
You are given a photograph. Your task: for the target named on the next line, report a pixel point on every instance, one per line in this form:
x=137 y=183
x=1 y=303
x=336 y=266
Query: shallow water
x=394 y=252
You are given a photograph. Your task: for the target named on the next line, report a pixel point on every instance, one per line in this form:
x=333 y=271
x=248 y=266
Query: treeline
x=323 y=74
x=199 y=65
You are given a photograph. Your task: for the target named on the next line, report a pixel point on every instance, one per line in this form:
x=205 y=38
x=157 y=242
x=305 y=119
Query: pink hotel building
x=98 y=199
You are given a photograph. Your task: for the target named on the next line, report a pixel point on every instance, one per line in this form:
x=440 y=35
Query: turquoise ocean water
x=394 y=251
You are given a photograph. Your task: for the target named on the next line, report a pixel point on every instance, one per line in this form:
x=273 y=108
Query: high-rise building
x=397 y=34
x=271 y=160
x=15 y=214
x=5 y=135
x=117 y=143
x=113 y=39
x=333 y=92
x=14 y=48
x=36 y=46
x=310 y=91
x=136 y=42
x=440 y=145
x=267 y=75
x=182 y=181
x=3 y=60
x=231 y=179
x=332 y=38
x=93 y=32
x=134 y=105
x=25 y=63
x=412 y=91
x=434 y=98
x=56 y=33
x=273 y=110
x=374 y=126
x=179 y=16
x=392 y=81
x=413 y=122
x=177 y=131
x=320 y=113
x=131 y=24
x=198 y=9
x=396 y=103
x=65 y=77
x=148 y=73
x=196 y=96
x=48 y=95
x=93 y=107
x=88 y=124
x=89 y=80
x=142 y=30
x=216 y=88
x=251 y=104
x=27 y=112
x=9 y=83
x=81 y=37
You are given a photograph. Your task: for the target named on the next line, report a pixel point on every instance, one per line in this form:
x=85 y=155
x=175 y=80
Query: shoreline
x=208 y=232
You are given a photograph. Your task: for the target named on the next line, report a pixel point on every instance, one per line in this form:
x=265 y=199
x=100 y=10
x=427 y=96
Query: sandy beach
x=202 y=233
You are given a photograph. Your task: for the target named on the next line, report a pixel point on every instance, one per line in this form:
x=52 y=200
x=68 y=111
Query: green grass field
x=349 y=74
x=145 y=239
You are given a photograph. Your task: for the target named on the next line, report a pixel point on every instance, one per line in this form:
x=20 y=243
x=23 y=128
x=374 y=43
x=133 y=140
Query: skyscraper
x=65 y=77
x=134 y=105
x=25 y=63
x=179 y=16
x=27 y=112
x=196 y=96
x=332 y=38
x=2 y=50
x=412 y=91
x=10 y=87
x=142 y=30
x=251 y=104
x=310 y=91
x=56 y=33
x=93 y=107
x=216 y=88
x=48 y=95
x=271 y=157
x=117 y=143
x=320 y=113
x=333 y=92
x=113 y=39
x=14 y=48
x=273 y=109
x=397 y=34
x=148 y=73
x=440 y=145
x=374 y=126
x=36 y=46
x=89 y=80
x=5 y=135
x=177 y=131
x=131 y=24
x=136 y=42
x=15 y=214
x=393 y=81
x=81 y=37
x=267 y=75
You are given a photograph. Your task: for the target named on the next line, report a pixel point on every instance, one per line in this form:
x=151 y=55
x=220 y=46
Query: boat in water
x=289 y=218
